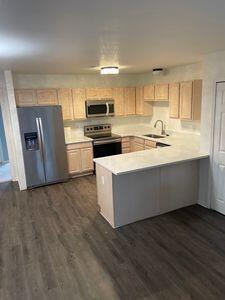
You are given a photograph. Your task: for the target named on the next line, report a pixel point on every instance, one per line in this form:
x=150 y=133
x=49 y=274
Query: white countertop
x=184 y=147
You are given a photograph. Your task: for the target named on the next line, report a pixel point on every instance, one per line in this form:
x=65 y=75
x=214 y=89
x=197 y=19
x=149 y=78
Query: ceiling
x=78 y=36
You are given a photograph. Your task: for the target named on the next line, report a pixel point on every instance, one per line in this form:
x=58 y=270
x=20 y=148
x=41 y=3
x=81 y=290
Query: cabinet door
x=79 y=103
x=129 y=100
x=106 y=93
x=93 y=93
x=74 y=161
x=138 y=147
x=66 y=101
x=47 y=97
x=142 y=107
x=162 y=92
x=174 y=100
x=186 y=97
x=87 y=159
x=149 y=92
x=118 y=95
x=26 y=97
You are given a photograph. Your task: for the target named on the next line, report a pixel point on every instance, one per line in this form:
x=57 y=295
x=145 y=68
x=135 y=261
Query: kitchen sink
x=154 y=136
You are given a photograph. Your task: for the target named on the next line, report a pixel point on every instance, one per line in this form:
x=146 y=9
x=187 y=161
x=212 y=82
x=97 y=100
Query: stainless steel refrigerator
x=43 y=141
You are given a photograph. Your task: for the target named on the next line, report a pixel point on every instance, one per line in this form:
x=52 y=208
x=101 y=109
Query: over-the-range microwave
x=100 y=108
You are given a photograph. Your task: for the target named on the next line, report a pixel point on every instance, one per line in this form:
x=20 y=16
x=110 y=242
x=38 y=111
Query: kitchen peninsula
x=143 y=184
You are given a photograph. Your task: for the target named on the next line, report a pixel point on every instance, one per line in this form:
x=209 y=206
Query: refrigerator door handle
x=42 y=138
x=39 y=138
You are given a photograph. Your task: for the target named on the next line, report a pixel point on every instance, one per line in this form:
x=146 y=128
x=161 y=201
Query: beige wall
x=76 y=80
x=160 y=111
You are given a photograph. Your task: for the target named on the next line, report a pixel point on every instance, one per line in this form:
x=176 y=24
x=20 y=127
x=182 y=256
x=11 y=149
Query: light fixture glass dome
x=109 y=70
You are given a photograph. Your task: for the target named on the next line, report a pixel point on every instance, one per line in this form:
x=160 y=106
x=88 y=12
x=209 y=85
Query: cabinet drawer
x=139 y=141
x=149 y=148
x=150 y=144
x=79 y=146
x=125 y=139
x=125 y=144
x=126 y=150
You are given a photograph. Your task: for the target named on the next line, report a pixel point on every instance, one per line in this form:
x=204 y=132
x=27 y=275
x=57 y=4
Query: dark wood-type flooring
x=55 y=245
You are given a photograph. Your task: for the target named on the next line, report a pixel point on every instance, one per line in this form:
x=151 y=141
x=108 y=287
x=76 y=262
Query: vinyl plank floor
x=55 y=245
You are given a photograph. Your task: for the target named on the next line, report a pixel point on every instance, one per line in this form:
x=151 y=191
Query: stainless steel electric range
x=105 y=143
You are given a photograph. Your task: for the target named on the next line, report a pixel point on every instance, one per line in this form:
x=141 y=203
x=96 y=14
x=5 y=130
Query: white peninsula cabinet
x=80 y=159
x=144 y=184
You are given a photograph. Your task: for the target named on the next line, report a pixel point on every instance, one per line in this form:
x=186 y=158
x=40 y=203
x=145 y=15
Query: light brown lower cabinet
x=138 y=144
x=80 y=158
x=126 y=144
x=133 y=144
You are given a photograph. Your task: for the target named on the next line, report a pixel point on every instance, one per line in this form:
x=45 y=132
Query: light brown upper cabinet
x=47 y=96
x=26 y=97
x=106 y=93
x=142 y=107
x=129 y=100
x=174 y=100
x=149 y=92
x=99 y=93
x=66 y=101
x=162 y=92
x=190 y=100
x=79 y=103
x=118 y=96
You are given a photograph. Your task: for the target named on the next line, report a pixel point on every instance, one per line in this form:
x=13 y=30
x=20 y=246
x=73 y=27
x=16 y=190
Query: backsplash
x=160 y=112
x=116 y=122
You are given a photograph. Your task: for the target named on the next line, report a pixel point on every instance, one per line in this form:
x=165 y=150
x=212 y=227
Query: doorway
x=5 y=174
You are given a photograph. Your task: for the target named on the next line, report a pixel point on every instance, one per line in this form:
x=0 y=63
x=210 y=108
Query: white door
x=219 y=151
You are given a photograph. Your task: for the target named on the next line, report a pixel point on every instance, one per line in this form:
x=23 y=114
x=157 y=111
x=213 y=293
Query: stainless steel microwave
x=100 y=108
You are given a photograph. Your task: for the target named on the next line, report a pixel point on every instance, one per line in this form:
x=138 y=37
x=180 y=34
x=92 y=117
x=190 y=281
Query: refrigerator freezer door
x=31 y=143
x=53 y=139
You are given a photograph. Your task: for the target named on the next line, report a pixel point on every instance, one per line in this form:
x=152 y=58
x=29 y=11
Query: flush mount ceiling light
x=109 y=70
x=158 y=71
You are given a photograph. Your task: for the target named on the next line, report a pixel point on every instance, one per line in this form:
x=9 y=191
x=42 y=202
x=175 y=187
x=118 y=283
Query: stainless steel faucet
x=163 y=131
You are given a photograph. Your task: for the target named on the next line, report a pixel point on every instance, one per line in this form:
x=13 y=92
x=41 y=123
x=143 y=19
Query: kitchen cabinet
x=138 y=144
x=161 y=92
x=74 y=161
x=142 y=107
x=130 y=100
x=78 y=96
x=87 y=159
x=80 y=158
x=47 y=97
x=190 y=100
x=126 y=144
x=99 y=93
x=149 y=92
x=118 y=96
x=66 y=101
x=150 y=145
x=174 y=100
x=26 y=97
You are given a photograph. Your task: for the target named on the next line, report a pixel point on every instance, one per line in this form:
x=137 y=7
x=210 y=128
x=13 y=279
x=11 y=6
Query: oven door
x=107 y=148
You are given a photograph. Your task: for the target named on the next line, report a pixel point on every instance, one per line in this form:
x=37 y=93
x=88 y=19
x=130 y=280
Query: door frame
x=214 y=105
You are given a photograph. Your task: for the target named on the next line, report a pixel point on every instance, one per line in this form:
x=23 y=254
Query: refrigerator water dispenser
x=31 y=141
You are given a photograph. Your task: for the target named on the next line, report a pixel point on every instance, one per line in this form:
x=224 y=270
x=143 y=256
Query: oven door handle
x=107 y=108
x=107 y=142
